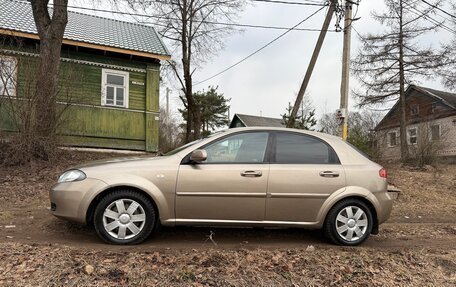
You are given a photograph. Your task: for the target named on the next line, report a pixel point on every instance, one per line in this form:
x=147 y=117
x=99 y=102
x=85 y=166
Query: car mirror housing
x=198 y=155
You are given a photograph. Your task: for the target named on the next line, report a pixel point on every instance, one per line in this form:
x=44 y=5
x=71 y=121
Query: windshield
x=191 y=143
x=183 y=147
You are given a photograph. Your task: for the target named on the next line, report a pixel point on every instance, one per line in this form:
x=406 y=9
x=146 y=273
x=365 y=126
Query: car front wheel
x=124 y=217
x=349 y=222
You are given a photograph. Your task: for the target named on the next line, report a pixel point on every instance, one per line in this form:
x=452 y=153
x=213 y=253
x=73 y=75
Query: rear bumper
x=70 y=200
x=385 y=201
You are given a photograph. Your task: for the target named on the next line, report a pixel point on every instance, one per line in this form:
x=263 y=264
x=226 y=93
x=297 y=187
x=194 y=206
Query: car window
x=302 y=149
x=239 y=148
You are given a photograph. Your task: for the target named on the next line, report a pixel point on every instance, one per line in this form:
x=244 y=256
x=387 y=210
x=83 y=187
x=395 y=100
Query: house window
x=8 y=69
x=413 y=136
x=414 y=110
x=433 y=106
x=114 y=88
x=392 y=139
x=435 y=132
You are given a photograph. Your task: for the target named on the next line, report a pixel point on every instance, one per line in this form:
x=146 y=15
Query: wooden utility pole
x=313 y=60
x=344 y=87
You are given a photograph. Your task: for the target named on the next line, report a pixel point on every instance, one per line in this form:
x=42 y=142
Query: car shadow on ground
x=198 y=237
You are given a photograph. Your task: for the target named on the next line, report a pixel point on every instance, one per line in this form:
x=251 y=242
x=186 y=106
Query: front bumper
x=71 y=200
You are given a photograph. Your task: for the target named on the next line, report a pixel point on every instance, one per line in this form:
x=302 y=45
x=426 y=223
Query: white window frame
x=416 y=135
x=13 y=92
x=104 y=85
x=430 y=132
x=388 y=139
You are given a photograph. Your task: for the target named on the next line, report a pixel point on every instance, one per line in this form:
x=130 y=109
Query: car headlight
x=72 y=175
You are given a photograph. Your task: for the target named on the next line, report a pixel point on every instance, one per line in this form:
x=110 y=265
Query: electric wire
x=259 y=49
x=307 y=3
x=438 y=8
x=196 y=21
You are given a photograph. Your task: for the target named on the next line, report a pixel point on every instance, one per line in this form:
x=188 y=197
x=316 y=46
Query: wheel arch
x=359 y=194
x=96 y=200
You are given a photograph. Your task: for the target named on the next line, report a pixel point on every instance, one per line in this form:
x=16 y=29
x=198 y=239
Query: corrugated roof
x=17 y=16
x=255 y=121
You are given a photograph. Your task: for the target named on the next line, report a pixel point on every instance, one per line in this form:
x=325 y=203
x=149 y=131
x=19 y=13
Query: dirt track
x=38 y=226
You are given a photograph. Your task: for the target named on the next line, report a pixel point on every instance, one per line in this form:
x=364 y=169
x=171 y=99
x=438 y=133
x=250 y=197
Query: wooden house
x=109 y=78
x=431 y=124
x=240 y=120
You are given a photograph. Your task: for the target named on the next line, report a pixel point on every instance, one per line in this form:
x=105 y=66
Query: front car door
x=230 y=185
x=304 y=172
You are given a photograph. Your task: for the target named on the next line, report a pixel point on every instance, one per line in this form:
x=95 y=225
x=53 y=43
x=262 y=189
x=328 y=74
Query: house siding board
x=85 y=122
x=443 y=114
x=448 y=138
x=152 y=105
x=424 y=102
x=104 y=123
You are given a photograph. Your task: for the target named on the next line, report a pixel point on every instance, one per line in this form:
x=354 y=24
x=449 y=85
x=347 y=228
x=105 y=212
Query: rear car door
x=230 y=185
x=304 y=172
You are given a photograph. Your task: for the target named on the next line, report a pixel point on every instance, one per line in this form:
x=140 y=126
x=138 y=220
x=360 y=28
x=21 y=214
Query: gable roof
x=16 y=18
x=448 y=99
x=255 y=121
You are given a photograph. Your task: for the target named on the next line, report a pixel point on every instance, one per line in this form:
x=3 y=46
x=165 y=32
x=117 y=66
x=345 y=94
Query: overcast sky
x=266 y=82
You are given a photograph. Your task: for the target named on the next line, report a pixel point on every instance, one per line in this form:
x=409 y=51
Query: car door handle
x=328 y=173
x=251 y=173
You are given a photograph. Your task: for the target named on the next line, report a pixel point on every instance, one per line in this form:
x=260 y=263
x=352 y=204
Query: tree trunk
x=403 y=120
x=50 y=31
x=194 y=115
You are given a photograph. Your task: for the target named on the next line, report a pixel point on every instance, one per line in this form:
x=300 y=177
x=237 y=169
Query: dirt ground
x=416 y=247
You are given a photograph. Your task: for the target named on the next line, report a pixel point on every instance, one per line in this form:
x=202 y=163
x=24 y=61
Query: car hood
x=124 y=161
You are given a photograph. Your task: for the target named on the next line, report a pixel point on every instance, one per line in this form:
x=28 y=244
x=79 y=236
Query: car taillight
x=383 y=173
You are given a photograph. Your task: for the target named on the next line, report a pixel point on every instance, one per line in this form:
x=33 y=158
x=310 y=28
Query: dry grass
x=426 y=195
x=26 y=265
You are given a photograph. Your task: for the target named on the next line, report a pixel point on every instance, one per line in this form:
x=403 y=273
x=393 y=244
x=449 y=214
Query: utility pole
x=313 y=60
x=344 y=87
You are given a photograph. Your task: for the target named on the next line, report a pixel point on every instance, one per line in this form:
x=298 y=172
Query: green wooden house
x=109 y=78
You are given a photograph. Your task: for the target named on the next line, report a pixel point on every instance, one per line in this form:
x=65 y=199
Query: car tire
x=349 y=222
x=124 y=217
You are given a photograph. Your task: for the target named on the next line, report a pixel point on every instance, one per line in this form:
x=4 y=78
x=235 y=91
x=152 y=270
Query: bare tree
x=190 y=26
x=389 y=60
x=18 y=97
x=429 y=143
x=360 y=129
x=171 y=134
x=448 y=69
x=50 y=31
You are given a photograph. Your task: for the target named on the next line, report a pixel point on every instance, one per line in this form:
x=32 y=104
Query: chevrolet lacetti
x=239 y=177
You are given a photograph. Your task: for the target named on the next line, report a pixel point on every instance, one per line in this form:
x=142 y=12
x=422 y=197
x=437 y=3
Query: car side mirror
x=198 y=155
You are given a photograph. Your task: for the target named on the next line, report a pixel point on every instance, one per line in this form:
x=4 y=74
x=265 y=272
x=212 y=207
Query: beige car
x=238 y=177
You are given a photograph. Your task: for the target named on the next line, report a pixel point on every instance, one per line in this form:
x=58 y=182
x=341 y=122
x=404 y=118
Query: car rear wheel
x=124 y=217
x=349 y=222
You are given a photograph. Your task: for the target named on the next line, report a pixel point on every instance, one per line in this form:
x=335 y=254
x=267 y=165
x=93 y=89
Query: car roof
x=313 y=133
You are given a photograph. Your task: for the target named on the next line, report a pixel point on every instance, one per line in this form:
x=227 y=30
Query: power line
x=438 y=8
x=307 y=3
x=256 y=26
x=430 y=19
x=196 y=21
x=259 y=49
